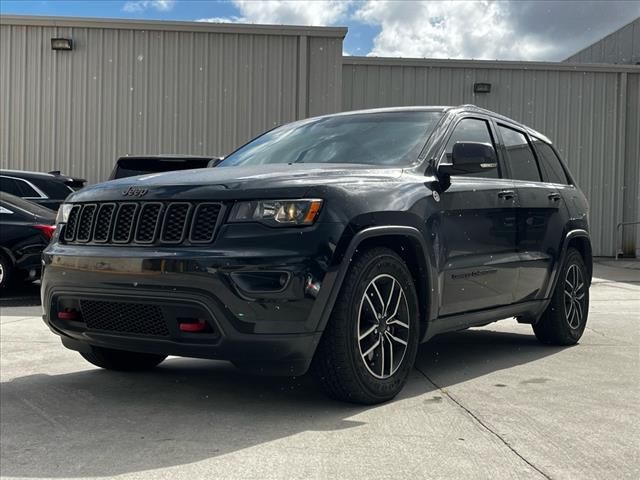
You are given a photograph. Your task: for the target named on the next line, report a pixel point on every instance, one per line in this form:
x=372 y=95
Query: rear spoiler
x=75 y=183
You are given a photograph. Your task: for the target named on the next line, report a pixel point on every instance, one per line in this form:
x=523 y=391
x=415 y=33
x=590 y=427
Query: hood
x=237 y=182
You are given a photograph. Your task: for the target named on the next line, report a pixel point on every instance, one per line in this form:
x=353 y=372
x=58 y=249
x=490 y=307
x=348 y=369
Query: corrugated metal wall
x=154 y=87
x=178 y=87
x=631 y=213
x=582 y=108
x=621 y=46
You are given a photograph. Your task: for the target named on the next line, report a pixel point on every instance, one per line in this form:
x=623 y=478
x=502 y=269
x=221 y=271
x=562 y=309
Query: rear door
x=476 y=244
x=541 y=213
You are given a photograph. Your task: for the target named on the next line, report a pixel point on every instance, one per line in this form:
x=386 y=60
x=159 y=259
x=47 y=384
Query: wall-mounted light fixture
x=61 y=44
x=481 y=88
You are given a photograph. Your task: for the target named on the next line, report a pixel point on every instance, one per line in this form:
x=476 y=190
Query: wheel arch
x=580 y=240
x=409 y=243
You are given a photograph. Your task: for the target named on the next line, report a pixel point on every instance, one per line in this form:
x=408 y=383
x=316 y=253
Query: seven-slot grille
x=143 y=223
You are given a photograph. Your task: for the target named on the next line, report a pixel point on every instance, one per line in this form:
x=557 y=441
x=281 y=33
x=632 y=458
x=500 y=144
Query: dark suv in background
x=132 y=165
x=337 y=243
x=46 y=189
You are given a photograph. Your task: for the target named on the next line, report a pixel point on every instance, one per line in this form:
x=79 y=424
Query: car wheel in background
x=371 y=340
x=6 y=271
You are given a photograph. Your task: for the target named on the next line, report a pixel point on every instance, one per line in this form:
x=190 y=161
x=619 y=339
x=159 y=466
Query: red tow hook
x=68 y=315
x=197 y=326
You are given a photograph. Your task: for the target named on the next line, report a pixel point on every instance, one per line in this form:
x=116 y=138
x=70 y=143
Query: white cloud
x=142 y=5
x=287 y=12
x=223 y=20
x=505 y=30
x=469 y=29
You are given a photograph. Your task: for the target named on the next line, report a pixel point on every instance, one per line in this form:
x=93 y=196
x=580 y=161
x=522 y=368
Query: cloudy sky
x=505 y=30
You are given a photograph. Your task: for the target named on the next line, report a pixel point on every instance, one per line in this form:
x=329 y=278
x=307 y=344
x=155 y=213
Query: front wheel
x=110 y=359
x=371 y=340
x=565 y=319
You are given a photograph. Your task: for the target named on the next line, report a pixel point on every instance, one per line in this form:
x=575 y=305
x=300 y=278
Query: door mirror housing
x=469 y=157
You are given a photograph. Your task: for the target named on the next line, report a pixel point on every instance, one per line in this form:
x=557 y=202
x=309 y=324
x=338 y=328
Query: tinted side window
x=26 y=191
x=472 y=130
x=520 y=156
x=56 y=190
x=9 y=185
x=552 y=170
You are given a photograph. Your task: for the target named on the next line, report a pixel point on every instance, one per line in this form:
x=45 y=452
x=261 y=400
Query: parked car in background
x=131 y=165
x=25 y=229
x=336 y=243
x=46 y=189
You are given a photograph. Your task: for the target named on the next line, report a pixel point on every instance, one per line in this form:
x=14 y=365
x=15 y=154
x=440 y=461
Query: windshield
x=391 y=138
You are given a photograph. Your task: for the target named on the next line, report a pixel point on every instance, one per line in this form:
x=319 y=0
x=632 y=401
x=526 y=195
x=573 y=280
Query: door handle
x=554 y=196
x=506 y=194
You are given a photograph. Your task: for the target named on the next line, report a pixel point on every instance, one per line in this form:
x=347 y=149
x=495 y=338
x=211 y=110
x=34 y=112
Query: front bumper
x=269 y=330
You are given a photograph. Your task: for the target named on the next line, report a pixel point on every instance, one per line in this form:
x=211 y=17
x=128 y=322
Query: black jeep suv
x=337 y=243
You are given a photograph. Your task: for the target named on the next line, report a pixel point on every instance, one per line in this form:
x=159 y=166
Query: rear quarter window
x=522 y=160
x=52 y=189
x=552 y=170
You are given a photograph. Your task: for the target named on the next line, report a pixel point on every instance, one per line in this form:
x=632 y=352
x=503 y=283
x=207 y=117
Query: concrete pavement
x=485 y=403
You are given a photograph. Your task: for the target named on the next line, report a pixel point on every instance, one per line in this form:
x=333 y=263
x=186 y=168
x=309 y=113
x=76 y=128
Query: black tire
x=121 y=360
x=339 y=364
x=6 y=271
x=564 y=320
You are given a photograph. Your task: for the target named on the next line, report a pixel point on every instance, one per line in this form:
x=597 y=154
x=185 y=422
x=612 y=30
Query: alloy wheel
x=383 y=326
x=574 y=296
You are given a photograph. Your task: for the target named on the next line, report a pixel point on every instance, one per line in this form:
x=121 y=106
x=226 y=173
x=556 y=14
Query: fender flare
x=577 y=233
x=372 y=232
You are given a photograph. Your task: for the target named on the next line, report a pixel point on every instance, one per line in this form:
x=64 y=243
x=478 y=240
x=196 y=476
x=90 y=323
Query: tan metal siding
x=325 y=76
x=631 y=239
x=131 y=90
x=579 y=109
x=621 y=46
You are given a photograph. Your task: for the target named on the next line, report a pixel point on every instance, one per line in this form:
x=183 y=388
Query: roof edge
x=489 y=64
x=601 y=39
x=177 y=26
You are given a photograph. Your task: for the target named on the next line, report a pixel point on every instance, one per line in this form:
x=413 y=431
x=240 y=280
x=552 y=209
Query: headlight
x=63 y=213
x=277 y=213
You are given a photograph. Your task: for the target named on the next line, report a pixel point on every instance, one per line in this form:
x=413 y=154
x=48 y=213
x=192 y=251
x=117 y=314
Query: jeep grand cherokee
x=336 y=243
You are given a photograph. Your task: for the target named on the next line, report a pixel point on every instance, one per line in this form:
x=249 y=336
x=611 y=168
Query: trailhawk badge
x=135 y=192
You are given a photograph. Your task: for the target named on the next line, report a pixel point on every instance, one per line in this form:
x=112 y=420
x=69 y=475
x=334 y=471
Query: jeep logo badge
x=135 y=192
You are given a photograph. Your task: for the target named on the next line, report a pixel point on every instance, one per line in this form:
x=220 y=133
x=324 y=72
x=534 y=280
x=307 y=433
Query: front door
x=476 y=232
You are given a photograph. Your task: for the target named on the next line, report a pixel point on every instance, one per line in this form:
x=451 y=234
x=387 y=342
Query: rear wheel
x=565 y=319
x=371 y=340
x=121 y=360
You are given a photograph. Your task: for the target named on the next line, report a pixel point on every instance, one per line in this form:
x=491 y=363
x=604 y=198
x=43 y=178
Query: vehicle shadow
x=95 y=423
x=20 y=295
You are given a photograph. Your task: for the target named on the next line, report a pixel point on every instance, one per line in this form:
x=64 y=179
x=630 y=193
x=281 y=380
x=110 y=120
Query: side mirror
x=214 y=162
x=469 y=157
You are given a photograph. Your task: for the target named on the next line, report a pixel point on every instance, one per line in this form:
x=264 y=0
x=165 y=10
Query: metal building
x=154 y=87
x=621 y=46
x=195 y=88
